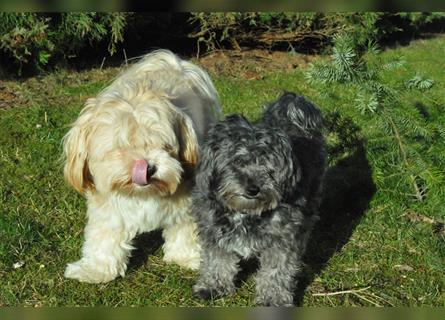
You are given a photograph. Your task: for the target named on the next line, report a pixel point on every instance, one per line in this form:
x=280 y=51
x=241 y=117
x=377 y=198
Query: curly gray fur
x=257 y=193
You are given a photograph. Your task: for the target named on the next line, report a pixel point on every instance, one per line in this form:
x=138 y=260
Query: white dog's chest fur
x=141 y=214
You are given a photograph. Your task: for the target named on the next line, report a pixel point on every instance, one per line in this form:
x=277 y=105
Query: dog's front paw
x=87 y=271
x=191 y=260
x=208 y=292
x=202 y=293
x=285 y=300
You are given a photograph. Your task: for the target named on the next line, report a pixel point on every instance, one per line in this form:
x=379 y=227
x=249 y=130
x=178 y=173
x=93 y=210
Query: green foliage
x=367 y=101
x=40 y=39
x=33 y=39
x=77 y=29
x=348 y=66
x=363 y=73
x=298 y=29
x=345 y=64
x=419 y=82
x=394 y=64
x=260 y=28
x=25 y=37
x=420 y=19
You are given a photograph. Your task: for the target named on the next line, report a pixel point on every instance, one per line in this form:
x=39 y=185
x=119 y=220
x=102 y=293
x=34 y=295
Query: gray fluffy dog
x=257 y=194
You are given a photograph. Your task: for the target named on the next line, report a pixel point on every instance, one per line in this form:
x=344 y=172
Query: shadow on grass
x=347 y=192
x=410 y=31
x=146 y=244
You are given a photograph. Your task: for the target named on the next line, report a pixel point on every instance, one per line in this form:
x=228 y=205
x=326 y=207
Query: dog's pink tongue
x=139 y=174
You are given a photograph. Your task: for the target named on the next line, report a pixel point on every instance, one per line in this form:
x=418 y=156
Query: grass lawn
x=376 y=245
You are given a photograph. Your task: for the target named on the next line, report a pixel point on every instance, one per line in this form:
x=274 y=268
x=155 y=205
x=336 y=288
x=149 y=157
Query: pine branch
x=397 y=136
x=373 y=95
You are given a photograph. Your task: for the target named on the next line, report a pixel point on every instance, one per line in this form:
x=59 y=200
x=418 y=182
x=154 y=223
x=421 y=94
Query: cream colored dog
x=131 y=153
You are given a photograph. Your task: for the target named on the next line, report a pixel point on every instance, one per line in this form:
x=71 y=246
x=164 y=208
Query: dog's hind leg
x=181 y=245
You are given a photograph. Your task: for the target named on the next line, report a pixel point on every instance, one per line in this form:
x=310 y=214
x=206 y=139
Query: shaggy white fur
x=155 y=113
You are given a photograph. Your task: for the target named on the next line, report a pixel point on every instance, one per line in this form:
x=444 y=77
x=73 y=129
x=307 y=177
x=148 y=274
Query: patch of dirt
x=242 y=64
x=48 y=89
x=438 y=226
x=8 y=97
x=251 y=64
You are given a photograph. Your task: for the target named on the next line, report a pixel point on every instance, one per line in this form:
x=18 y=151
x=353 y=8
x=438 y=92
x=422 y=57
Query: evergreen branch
x=419 y=82
x=398 y=138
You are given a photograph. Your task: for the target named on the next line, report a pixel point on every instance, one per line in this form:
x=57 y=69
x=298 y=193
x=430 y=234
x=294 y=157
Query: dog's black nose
x=252 y=190
x=151 y=170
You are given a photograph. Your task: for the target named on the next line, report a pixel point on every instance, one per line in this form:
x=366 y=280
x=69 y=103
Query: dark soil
x=251 y=64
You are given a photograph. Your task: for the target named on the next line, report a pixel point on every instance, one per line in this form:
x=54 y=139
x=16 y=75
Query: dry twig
x=327 y=294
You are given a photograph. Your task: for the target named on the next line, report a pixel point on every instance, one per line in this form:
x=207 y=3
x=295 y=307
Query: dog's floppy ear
x=188 y=141
x=302 y=112
x=75 y=147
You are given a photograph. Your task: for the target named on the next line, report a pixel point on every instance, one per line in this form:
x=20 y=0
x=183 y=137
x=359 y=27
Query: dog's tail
x=291 y=110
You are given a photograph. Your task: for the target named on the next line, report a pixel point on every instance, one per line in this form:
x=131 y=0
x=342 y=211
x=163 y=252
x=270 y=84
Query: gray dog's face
x=256 y=171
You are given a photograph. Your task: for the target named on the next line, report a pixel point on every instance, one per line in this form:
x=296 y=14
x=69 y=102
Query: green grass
x=374 y=234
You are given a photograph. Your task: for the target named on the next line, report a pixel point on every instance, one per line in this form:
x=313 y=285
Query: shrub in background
x=38 y=40
x=306 y=29
x=267 y=30
x=33 y=39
